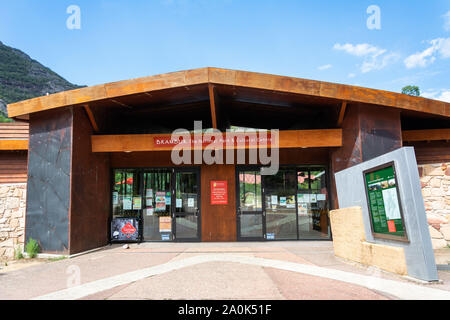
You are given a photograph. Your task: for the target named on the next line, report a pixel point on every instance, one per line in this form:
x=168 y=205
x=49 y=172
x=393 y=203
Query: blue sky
x=322 y=40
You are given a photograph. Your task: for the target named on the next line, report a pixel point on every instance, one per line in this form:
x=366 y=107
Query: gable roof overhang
x=313 y=89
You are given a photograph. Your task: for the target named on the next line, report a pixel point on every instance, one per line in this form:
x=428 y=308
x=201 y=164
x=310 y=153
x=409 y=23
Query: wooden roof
x=279 y=84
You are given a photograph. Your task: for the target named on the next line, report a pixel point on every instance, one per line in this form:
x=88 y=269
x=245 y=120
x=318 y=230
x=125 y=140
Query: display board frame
x=394 y=237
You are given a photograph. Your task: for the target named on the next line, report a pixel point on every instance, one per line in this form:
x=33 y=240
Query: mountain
x=23 y=78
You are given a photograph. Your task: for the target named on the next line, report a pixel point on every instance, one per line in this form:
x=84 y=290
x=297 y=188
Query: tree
x=411 y=90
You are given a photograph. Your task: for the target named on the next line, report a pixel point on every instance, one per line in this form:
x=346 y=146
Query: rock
x=438 y=243
x=9 y=253
x=436 y=171
x=14 y=223
x=18 y=213
x=17 y=192
x=435 y=182
x=12 y=202
x=438 y=205
x=426 y=192
x=126 y=246
x=445 y=231
x=7 y=243
x=435 y=234
x=436 y=219
x=437 y=192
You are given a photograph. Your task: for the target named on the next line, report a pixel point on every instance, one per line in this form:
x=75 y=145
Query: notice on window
x=219 y=192
x=274 y=200
x=303 y=198
x=115 y=198
x=137 y=203
x=179 y=203
x=302 y=209
x=127 y=203
x=283 y=201
x=165 y=224
x=149 y=193
x=149 y=211
x=160 y=202
x=384 y=204
x=191 y=202
x=290 y=202
x=321 y=197
x=313 y=198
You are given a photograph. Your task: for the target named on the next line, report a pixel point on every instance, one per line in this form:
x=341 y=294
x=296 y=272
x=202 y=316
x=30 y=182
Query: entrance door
x=290 y=205
x=186 y=205
x=250 y=208
x=280 y=202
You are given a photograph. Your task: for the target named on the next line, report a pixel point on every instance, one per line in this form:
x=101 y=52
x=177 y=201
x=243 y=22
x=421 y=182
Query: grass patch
x=57 y=259
x=18 y=253
x=32 y=248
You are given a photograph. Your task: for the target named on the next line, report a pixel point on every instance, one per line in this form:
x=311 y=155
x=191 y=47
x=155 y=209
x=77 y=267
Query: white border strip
x=398 y=289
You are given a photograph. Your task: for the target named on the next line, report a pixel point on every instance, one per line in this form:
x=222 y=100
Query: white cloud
x=351 y=75
x=325 y=67
x=428 y=56
x=359 y=50
x=447 y=21
x=374 y=58
x=442 y=94
x=378 y=63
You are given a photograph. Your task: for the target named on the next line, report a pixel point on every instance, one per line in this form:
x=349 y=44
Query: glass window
x=126 y=199
x=250 y=191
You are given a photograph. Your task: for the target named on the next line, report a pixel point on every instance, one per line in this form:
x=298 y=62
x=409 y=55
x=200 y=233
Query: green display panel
x=384 y=203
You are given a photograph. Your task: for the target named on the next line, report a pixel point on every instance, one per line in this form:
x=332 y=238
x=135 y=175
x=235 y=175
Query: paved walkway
x=278 y=270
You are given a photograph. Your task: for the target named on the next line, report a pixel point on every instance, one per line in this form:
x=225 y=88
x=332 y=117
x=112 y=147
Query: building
x=101 y=154
x=13 y=178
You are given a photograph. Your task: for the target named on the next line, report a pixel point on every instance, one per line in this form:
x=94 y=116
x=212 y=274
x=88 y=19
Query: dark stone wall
x=381 y=131
x=90 y=196
x=368 y=132
x=48 y=189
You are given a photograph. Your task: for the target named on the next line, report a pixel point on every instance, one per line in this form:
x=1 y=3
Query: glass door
x=290 y=205
x=281 y=205
x=250 y=209
x=186 y=204
x=157 y=206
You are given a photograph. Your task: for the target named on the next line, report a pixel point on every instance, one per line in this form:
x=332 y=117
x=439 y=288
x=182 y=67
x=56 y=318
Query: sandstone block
x=435 y=219
x=7 y=243
x=438 y=243
x=435 y=234
x=445 y=231
x=435 y=182
x=12 y=203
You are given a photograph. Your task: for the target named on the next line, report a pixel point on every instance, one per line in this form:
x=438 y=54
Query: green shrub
x=32 y=248
x=18 y=253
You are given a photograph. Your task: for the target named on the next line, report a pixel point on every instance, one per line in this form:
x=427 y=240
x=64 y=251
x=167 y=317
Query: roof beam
x=91 y=118
x=149 y=142
x=213 y=103
x=426 y=135
x=10 y=145
x=342 y=113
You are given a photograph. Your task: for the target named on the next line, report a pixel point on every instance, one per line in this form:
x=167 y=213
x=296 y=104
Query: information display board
x=383 y=199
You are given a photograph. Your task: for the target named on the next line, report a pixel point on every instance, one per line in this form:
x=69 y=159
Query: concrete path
x=283 y=270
